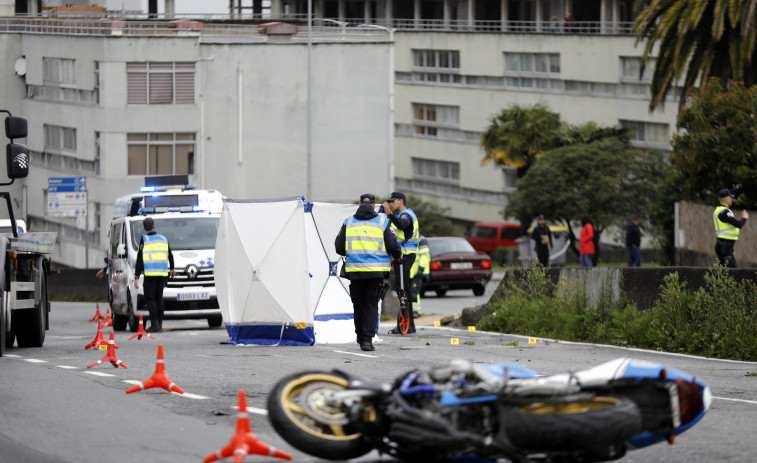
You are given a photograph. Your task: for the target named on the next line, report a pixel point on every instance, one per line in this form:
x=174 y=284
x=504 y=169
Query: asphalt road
x=54 y=409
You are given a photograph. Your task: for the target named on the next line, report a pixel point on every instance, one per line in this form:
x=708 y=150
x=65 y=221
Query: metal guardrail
x=138 y=23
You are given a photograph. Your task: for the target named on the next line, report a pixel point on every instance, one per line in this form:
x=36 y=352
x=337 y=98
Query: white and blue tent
x=276 y=273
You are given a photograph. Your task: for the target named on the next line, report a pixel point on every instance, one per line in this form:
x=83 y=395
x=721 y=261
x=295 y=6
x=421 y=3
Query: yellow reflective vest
x=155 y=255
x=724 y=230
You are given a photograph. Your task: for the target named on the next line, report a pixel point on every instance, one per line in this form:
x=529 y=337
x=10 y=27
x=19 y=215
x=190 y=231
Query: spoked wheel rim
x=305 y=401
x=403 y=318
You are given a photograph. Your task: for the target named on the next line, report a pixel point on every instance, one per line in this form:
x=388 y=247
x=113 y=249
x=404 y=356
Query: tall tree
x=717 y=145
x=608 y=179
x=518 y=135
x=697 y=38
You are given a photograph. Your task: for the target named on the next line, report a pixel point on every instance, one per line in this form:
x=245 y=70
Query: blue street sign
x=66 y=184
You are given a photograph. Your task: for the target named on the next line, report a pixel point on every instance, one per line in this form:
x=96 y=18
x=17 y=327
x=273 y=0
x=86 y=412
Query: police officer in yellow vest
x=727 y=228
x=419 y=271
x=405 y=225
x=369 y=244
x=155 y=260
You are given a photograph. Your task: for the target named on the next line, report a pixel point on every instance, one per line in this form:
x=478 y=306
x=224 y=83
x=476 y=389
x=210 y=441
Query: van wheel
x=133 y=319
x=479 y=290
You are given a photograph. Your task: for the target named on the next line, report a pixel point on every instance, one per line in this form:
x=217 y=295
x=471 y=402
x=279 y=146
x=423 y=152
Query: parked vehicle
x=7 y=227
x=189 y=219
x=492 y=411
x=24 y=260
x=456 y=265
x=488 y=236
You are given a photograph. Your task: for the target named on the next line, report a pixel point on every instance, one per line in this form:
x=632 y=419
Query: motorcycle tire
x=581 y=425
x=299 y=414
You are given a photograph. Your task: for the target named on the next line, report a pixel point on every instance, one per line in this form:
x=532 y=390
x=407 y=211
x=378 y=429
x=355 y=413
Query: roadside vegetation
x=718 y=320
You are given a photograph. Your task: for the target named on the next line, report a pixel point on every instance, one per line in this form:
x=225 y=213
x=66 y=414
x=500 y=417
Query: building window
x=631 y=69
x=532 y=63
x=429 y=118
x=430 y=169
x=160 y=83
x=58 y=71
x=448 y=60
x=648 y=133
x=59 y=138
x=161 y=153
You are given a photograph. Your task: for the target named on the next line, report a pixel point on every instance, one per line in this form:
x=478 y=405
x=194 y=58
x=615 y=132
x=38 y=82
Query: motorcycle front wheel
x=299 y=410
x=580 y=425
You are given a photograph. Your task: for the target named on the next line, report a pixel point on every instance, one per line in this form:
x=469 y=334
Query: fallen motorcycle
x=490 y=411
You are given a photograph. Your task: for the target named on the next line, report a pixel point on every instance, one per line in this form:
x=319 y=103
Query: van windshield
x=181 y=232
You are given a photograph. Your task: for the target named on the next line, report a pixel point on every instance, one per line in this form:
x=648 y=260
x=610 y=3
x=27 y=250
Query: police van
x=189 y=219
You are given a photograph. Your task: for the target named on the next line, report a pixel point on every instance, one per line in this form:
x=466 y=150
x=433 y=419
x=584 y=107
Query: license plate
x=461 y=265
x=192 y=296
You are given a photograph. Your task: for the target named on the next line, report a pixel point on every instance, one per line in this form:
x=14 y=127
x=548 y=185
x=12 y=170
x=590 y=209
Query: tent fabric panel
x=284 y=269
x=270 y=335
x=232 y=270
x=335 y=332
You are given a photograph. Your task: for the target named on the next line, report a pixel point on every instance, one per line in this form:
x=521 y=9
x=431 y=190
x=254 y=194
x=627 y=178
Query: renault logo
x=192 y=271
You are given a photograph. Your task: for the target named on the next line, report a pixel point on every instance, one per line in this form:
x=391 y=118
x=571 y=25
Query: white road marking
x=189 y=395
x=36 y=361
x=67 y=367
x=753 y=402
x=353 y=353
x=257 y=411
x=131 y=381
x=97 y=373
x=13 y=356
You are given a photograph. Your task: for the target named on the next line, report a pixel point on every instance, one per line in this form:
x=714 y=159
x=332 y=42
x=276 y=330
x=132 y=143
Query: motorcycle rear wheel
x=300 y=414
x=580 y=425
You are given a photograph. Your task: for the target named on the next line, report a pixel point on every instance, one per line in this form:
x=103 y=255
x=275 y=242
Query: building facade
x=402 y=89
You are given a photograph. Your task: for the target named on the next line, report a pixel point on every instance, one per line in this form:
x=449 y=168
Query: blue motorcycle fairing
x=514 y=370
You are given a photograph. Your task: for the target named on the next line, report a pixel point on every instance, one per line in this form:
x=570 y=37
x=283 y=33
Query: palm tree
x=518 y=135
x=697 y=39
x=590 y=132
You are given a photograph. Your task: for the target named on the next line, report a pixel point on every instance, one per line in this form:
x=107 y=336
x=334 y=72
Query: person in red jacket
x=586 y=242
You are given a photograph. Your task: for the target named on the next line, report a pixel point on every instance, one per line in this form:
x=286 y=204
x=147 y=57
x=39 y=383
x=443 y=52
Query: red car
x=456 y=265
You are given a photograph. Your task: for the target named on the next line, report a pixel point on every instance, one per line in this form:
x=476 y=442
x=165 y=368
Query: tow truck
x=25 y=266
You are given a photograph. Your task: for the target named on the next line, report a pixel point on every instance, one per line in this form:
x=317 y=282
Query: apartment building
x=400 y=88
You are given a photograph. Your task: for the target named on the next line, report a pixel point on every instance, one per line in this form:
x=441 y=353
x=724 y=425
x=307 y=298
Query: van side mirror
x=17 y=159
x=15 y=127
x=121 y=250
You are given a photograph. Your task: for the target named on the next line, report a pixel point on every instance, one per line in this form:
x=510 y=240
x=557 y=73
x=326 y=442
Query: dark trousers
x=153 y=287
x=542 y=253
x=407 y=263
x=724 y=251
x=365 y=296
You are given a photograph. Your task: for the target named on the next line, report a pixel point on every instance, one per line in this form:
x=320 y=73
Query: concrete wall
x=251 y=95
x=695 y=236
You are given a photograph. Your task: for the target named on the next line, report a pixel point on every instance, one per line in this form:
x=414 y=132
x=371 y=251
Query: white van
x=191 y=231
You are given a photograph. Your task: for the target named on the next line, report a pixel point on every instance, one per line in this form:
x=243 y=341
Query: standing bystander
x=542 y=235
x=633 y=242
x=586 y=242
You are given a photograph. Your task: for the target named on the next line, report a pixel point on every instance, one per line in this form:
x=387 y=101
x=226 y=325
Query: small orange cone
x=110 y=356
x=244 y=442
x=99 y=339
x=108 y=320
x=158 y=379
x=141 y=331
x=98 y=315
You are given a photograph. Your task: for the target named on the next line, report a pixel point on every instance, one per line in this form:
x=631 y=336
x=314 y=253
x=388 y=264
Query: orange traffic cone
x=98 y=315
x=244 y=442
x=108 y=320
x=158 y=379
x=99 y=339
x=141 y=331
x=110 y=356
